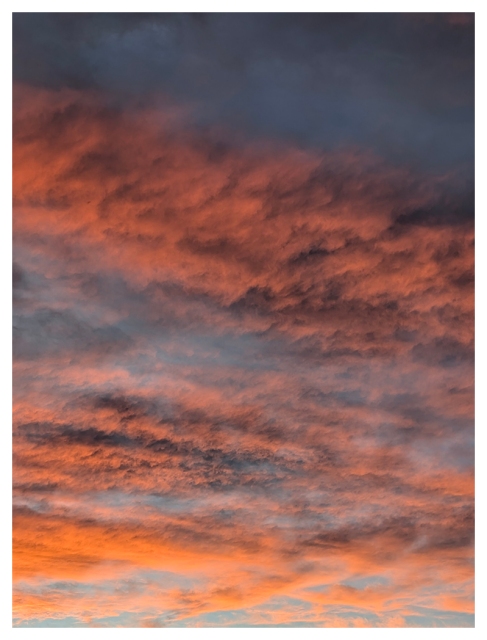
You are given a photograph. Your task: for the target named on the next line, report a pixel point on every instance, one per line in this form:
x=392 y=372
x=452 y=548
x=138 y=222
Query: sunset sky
x=243 y=332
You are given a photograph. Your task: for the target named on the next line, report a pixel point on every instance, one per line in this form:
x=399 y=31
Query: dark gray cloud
x=445 y=352
x=400 y=84
x=451 y=207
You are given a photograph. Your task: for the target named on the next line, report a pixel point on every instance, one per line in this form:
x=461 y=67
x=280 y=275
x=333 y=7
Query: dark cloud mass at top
x=243 y=320
x=401 y=85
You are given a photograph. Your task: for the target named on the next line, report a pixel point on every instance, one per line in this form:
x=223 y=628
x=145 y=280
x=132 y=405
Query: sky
x=243 y=320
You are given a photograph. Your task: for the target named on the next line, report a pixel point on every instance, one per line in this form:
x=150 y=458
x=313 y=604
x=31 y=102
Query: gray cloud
x=401 y=84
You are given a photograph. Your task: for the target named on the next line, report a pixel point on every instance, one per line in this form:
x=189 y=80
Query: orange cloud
x=250 y=367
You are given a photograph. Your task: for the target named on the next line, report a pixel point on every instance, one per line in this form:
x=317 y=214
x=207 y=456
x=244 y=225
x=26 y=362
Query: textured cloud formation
x=243 y=369
x=401 y=84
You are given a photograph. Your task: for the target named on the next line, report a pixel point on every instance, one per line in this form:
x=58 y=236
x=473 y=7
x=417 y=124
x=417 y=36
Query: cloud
x=239 y=365
x=398 y=83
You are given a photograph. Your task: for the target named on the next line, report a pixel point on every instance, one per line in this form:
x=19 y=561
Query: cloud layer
x=400 y=84
x=243 y=367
